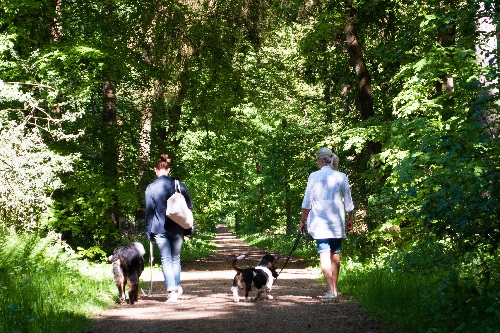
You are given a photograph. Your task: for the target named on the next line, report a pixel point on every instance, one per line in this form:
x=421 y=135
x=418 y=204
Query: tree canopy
x=241 y=93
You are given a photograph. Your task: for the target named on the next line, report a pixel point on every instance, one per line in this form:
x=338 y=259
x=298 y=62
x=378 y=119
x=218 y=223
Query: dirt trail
x=207 y=304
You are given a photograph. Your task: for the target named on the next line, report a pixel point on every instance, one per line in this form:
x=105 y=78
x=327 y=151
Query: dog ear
x=272 y=261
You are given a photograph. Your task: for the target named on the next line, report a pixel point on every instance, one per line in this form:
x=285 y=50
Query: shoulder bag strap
x=177 y=186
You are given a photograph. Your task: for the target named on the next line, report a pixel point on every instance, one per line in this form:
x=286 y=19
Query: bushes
x=427 y=287
x=45 y=288
x=283 y=244
x=430 y=288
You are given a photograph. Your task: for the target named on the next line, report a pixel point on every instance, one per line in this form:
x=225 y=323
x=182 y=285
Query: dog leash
x=294 y=247
x=151 y=265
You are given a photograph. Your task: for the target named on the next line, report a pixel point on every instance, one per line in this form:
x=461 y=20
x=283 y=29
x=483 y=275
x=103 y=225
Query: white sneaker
x=330 y=295
x=179 y=290
x=173 y=297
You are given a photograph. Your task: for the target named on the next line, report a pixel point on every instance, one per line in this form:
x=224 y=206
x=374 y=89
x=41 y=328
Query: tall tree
x=487 y=55
x=363 y=76
x=110 y=148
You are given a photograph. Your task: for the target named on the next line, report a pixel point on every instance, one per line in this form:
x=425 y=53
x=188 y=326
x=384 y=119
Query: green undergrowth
x=440 y=301
x=198 y=246
x=46 y=287
x=420 y=290
x=283 y=244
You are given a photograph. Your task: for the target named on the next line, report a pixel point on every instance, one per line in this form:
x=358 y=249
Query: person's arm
x=149 y=214
x=349 y=205
x=306 y=204
x=302 y=225
x=350 y=221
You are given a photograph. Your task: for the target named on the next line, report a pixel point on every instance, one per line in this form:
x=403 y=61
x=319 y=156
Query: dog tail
x=140 y=248
x=238 y=258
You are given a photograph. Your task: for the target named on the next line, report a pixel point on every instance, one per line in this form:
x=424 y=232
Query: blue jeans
x=170 y=246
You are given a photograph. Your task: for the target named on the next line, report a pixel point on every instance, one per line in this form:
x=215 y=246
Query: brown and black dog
x=261 y=277
x=128 y=264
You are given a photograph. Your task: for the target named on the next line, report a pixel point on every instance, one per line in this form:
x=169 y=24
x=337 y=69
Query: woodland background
x=241 y=94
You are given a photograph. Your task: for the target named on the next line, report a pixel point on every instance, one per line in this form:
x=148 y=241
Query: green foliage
x=30 y=171
x=283 y=244
x=428 y=287
x=46 y=289
x=80 y=213
x=407 y=298
x=198 y=246
x=242 y=97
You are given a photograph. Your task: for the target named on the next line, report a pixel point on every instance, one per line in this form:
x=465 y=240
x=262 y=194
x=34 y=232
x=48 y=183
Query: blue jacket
x=157 y=194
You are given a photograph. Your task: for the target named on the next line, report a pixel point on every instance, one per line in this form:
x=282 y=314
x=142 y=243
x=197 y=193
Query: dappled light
x=241 y=94
x=207 y=303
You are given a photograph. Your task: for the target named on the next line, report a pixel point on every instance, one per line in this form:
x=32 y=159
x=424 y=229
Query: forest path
x=207 y=304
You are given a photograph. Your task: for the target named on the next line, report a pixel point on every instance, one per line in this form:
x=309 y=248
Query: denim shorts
x=329 y=244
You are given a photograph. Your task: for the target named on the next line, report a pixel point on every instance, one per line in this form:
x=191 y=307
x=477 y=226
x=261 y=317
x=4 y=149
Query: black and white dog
x=261 y=276
x=128 y=264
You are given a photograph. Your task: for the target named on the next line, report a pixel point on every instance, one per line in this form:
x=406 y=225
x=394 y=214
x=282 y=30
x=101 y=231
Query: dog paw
x=270 y=297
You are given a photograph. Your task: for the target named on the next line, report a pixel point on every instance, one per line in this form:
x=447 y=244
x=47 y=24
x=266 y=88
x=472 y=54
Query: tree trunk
x=446 y=39
x=486 y=50
x=365 y=98
x=290 y=225
x=356 y=54
x=144 y=154
x=261 y=195
x=56 y=26
x=445 y=85
x=110 y=147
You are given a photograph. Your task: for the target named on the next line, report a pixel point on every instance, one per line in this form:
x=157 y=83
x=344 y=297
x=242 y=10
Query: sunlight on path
x=287 y=274
x=207 y=304
x=202 y=299
x=228 y=247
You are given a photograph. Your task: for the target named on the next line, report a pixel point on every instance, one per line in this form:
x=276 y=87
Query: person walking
x=326 y=200
x=168 y=235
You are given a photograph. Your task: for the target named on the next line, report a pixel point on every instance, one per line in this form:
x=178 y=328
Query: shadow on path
x=207 y=304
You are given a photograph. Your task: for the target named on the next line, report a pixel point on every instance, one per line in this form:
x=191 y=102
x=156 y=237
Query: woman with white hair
x=326 y=201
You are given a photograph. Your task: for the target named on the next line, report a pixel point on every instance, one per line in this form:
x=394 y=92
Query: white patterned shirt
x=328 y=196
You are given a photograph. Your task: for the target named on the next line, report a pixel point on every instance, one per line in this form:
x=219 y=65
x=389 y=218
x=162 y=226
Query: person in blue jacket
x=168 y=235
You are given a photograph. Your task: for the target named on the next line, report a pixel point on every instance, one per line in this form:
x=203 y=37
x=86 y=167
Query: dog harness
x=269 y=283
